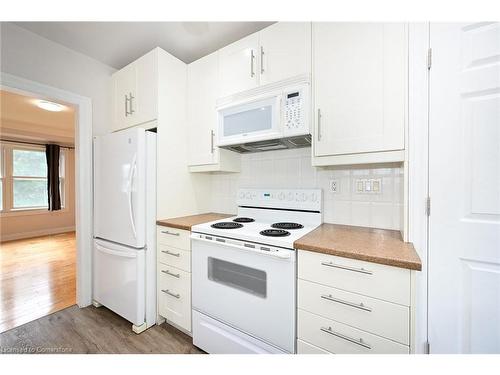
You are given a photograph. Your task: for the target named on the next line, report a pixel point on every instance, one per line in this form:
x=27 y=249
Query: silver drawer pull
x=360 y=306
x=170 y=253
x=359 y=342
x=178 y=275
x=360 y=270
x=171 y=233
x=171 y=294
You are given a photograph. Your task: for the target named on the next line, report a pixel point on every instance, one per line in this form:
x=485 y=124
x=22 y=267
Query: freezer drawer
x=119 y=280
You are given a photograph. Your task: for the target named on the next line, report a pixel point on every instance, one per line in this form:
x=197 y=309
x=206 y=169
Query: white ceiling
x=119 y=43
x=21 y=119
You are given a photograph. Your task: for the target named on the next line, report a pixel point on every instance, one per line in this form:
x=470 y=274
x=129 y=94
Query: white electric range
x=244 y=272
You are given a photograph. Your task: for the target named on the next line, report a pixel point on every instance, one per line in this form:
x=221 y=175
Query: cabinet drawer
x=174 y=237
x=306 y=348
x=369 y=314
x=174 y=296
x=371 y=279
x=174 y=257
x=343 y=339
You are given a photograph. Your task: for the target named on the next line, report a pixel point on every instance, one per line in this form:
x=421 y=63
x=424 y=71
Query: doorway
x=83 y=172
x=37 y=208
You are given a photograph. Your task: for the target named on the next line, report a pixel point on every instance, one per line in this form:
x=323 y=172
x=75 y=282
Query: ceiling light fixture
x=49 y=106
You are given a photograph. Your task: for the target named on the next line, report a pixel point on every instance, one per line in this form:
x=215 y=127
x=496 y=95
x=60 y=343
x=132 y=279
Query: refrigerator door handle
x=130 y=200
x=115 y=252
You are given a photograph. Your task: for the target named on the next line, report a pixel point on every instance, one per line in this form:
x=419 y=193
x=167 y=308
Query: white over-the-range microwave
x=273 y=120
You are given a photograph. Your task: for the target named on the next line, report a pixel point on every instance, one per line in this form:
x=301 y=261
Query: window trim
x=6 y=148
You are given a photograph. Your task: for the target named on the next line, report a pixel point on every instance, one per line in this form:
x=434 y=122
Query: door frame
x=419 y=80
x=83 y=172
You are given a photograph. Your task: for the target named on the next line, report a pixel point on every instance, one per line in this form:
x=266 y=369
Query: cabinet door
x=285 y=51
x=143 y=105
x=202 y=114
x=360 y=81
x=238 y=69
x=123 y=84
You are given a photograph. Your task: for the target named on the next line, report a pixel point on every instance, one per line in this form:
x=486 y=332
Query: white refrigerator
x=124 y=256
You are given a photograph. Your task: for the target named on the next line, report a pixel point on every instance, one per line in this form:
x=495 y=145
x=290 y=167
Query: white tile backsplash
x=291 y=169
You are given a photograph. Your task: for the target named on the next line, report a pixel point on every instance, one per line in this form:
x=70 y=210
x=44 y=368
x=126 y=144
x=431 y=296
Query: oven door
x=247 y=289
x=250 y=121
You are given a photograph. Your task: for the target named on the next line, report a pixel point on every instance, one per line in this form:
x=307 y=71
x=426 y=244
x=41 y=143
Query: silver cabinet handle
x=360 y=306
x=359 y=342
x=171 y=233
x=171 y=294
x=252 y=58
x=177 y=275
x=169 y=253
x=261 y=60
x=212 y=135
x=131 y=99
x=360 y=270
x=126 y=106
x=319 y=125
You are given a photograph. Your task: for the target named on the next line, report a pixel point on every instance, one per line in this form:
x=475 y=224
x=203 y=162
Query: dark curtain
x=52 y=154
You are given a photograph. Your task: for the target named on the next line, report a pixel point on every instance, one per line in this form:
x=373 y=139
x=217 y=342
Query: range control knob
x=248 y=196
x=281 y=196
x=290 y=197
x=241 y=195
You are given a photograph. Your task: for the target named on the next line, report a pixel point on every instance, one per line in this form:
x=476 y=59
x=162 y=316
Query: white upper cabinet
x=135 y=92
x=239 y=70
x=202 y=115
x=285 y=51
x=278 y=52
x=204 y=155
x=360 y=83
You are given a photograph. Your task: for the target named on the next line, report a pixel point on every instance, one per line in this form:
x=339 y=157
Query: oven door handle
x=279 y=255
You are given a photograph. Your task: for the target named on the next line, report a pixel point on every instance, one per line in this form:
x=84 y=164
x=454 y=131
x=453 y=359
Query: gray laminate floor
x=92 y=330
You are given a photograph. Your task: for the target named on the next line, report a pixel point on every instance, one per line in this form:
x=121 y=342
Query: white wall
x=30 y=56
x=292 y=169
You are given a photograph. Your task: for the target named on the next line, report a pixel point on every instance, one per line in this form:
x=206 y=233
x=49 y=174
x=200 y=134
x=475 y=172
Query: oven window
x=253 y=120
x=246 y=279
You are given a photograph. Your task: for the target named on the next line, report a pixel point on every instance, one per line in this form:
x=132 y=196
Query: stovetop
x=276 y=217
x=252 y=232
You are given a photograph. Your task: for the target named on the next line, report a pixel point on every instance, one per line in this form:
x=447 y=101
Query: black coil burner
x=275 y=233
x=287 y=226
x=243 y=220
x=226 y=225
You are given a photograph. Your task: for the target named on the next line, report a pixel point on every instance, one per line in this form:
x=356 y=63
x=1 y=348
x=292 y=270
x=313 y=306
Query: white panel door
x=238 y=66
x=119 y=187
x=359 y=72
x=202 y=114
x=464 y=177
x=285 y=51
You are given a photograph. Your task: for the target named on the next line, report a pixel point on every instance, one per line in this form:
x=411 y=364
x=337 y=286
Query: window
x=23 y=177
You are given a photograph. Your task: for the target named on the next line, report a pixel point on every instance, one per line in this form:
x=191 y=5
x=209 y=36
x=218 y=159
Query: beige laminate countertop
x=372 y=245
x=186 y=222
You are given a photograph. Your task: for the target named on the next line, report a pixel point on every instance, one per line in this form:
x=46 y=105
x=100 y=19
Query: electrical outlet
x=360 y=186
x=334 y=186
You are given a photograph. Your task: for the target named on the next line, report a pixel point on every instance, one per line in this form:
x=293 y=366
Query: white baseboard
x=36 y=233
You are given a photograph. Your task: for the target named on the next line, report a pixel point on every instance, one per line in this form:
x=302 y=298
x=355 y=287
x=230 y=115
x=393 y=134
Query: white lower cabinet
x=351 y=306
x=339 y=338
x=174 y=276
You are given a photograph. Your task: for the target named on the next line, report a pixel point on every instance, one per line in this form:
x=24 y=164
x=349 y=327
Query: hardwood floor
x=37 y=277
x=92 y=330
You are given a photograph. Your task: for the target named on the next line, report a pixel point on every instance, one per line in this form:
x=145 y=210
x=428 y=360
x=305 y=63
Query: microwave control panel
x=294 y=112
